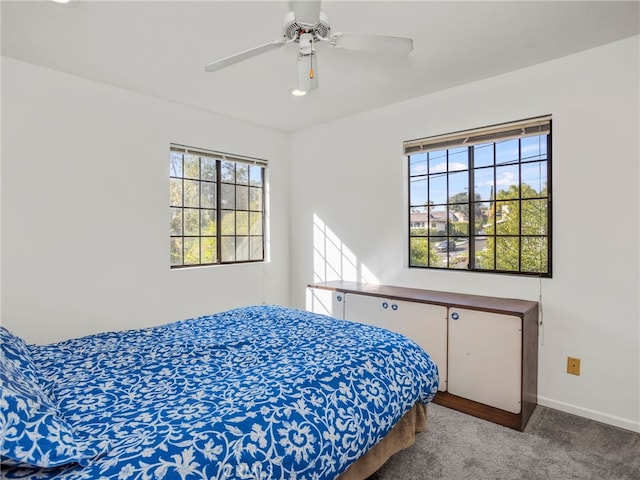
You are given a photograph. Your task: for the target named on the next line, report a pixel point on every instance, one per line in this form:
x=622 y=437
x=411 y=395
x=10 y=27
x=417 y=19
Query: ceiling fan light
x=297 y=92
x=307 y=73
x=66 y=3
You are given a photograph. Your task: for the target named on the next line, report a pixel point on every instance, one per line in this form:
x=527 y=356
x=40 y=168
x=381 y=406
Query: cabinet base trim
x=512 y=420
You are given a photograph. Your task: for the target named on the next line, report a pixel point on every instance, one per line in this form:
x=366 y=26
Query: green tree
x=421 y=250
x=520 y=230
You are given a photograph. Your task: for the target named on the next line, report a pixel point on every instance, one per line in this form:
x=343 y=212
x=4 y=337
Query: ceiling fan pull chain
x=311 y=74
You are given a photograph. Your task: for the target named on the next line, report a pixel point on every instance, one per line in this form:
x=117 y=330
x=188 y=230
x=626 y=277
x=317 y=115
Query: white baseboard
x=634 y=426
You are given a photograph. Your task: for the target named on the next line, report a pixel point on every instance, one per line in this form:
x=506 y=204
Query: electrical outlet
x=573 y=366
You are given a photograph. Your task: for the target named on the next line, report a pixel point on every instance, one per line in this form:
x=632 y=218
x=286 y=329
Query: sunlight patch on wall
x=333 y=260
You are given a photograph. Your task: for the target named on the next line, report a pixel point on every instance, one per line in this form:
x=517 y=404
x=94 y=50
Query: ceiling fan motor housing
x=306 y=44
x=293 y=28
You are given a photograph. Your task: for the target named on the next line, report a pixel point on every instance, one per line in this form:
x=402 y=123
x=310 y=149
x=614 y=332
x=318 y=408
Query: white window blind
x=494 y=133
x=217 y=155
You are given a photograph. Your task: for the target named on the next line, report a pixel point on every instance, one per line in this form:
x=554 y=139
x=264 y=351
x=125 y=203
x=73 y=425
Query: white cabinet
x=485 y=358
x=326 y=302
x=423 y=323
x=486 y=348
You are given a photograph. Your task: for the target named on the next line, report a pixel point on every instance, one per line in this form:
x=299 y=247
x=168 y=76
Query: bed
x=261 y=392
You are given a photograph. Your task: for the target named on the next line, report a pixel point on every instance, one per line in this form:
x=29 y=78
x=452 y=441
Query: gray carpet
x=554 y=445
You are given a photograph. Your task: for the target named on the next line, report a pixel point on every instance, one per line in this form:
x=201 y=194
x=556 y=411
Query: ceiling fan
x=306 y=24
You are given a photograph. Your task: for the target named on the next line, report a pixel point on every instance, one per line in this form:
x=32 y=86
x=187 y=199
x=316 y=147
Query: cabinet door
x=326 y=302
x=485 y=358
x=427 y=326
x=366 y=309
x=424 y=324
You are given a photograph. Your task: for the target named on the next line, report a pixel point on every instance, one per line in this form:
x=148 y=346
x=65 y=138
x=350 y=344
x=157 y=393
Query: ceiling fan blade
x=372 y=43
x=238 y=57
x=306 y=11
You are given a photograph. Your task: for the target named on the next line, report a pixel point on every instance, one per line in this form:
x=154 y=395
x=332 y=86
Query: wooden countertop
x=460 y=300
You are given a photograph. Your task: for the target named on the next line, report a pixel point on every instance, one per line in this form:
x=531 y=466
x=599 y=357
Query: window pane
x=191 y=221
x=418 y=164
x=255 y=248
x=459 y=187
x=228 y=249
x=489 y=226
x=507 y=151
x=242 y=174
x=418 y=252
x=436 y=258
x=483 y=155
x=462 y=246
x=207 y=222
x=208 y=169
x=418 y=191
x=175 y=250
x=485 y=246
x=191 y=251
x=242 y=198
x=207 y=195
x=242 y=223
x=534 y=179
x=175 y=221
x=508 y=218
x=418 y=221
x=191 y=193
x=175 y=192
x=438 y=219
x=534 y=254
x=459 y=220
x=438 y=189
x=438 y=161
x=458 y=159
x=209 y=254
x=228 y=172
x=175 y=164
x=255 y=175
x=507 y=253
x=483 y=183
x=242 y=249
x=534 y=217
x=255 y=223
x=508 y=181
x=191 y=166
x=534 y=148
x=228 y=196
x=228 y=223
x=420 y=209
x=459 y=256
x=255 y=199
x=483 y=212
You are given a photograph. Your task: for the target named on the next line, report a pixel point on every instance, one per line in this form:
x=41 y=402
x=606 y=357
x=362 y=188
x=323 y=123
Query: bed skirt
x=401 y=436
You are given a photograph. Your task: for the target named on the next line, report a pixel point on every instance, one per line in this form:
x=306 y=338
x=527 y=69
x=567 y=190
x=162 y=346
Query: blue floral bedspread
x=263 y=392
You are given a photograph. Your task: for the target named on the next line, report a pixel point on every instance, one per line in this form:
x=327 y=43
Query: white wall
x=85 y=193
x=348 y=217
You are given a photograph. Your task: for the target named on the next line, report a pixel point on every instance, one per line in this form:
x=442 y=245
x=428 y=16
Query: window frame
x=218 y=208
x=467 y=140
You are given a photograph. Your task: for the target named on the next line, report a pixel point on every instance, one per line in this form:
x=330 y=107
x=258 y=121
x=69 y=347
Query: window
x=216 y=208
x=480 y=200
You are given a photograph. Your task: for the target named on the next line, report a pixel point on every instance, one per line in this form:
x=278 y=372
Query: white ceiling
x=160 y=48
